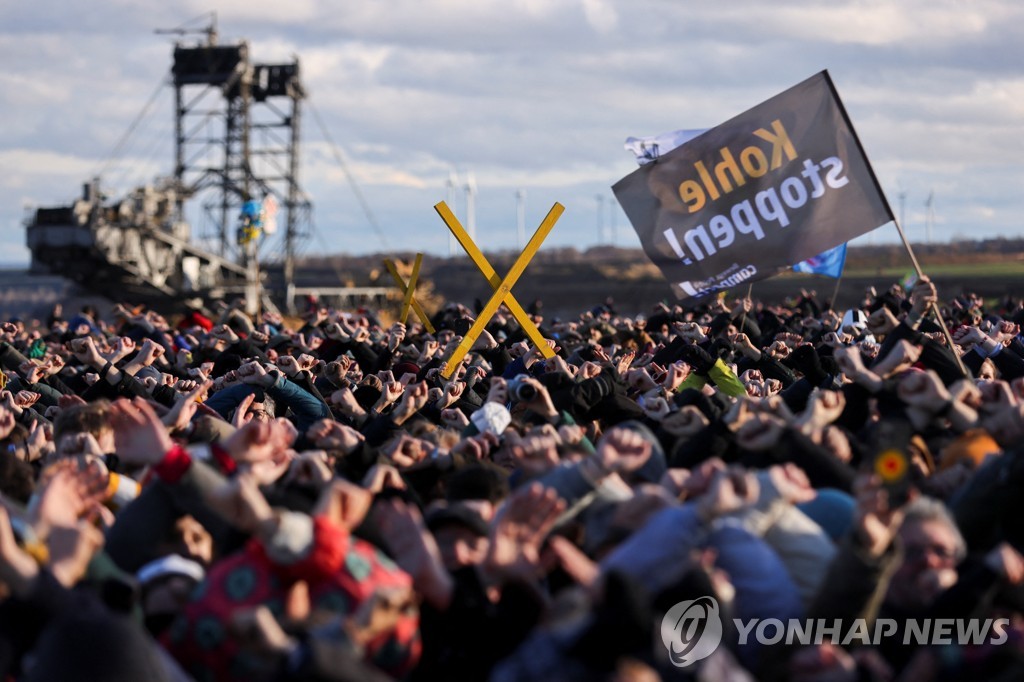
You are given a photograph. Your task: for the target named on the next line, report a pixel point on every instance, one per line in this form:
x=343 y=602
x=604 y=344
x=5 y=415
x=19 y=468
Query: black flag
x=774 y=186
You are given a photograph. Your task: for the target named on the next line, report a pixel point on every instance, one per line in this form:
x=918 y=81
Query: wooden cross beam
x=502 y=286
x=409 y=291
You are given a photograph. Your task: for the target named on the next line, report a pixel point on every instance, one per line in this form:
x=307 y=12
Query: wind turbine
x=903 y=208
x=929 y=220
x=453 y=181
x=521 y=218
x=612 y=222
x=471 y=204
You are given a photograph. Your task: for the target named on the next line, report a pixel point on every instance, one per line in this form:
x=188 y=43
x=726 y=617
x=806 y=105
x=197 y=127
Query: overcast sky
x=533 y=95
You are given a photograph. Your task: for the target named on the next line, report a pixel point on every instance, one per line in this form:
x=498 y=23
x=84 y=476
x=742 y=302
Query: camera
x=518 y=389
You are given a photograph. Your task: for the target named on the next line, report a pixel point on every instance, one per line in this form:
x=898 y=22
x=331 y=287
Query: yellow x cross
x=408 y=291
x=502 y=286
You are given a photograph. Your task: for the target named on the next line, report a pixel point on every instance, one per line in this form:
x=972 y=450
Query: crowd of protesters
x=216 y=497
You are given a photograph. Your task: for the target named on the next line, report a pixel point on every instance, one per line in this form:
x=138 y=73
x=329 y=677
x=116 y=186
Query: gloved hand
x=721 y=348
x=805 y=360
x=699 y=360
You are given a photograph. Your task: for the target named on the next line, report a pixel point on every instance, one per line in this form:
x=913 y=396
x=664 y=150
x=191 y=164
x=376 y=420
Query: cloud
x=532 y=94
x=601 y=15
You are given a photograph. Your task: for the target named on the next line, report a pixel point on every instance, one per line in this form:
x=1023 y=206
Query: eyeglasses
x=918 y=552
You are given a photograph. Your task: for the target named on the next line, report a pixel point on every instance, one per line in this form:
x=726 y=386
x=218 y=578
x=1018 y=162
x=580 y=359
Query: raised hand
x=67 y=493
x=640 y=380
x=415 y=550
x=738 y=414
x=760 y=432
x=811 y=323
x=535 y=354
x=26 y=399
x=81 y=444
x=779 y=350
x=345 y=401
x=589 y=370
x=148 y=354
x=310 y=467
x=139 y=436
x=823 y=408
x=414 y=399
x=729 y=491
x=746 y=346
x=224 y=333
x=924 y=390
x=967 y=337
x=790 y=339
x=836 y=339
x=573 y=561
x=338 y=333
x=430 y=348
x=85 y=350
x=1006 y=562
x=260 y=442
x=751 y=375
x=622 y=450
x=476 y=447
x=240 y=503
x=30 y=372
x=518 y=532
x=331 y=435
x=675 y=375
x=1005 y=332
x=656 y=407
x=691 y=331
x=485 y=341
x=454 y=418
x=396 y=335
x=71 y=548
x=922 y=296
x=743 y=306
x=390 y=392
x=40 y=441
x=179 y=416
x=535 y=454
x=902 y=355
x=258 y=632
x=252 y=373
x=792 y=483
x=623 y=362
x=344 y=504
x=877 y=518
x=882 y=322
x=1017 y=388
x=686 y=422
x=498 y=392
x=337 y=370
x=405 y=451
x=381 y=477
x=453 y=390
x=53 y=365
x=996 y=396
x=289 y=365
x=849 y=360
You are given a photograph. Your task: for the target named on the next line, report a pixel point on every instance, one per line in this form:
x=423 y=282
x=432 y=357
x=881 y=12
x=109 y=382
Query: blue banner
x=829 y=263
